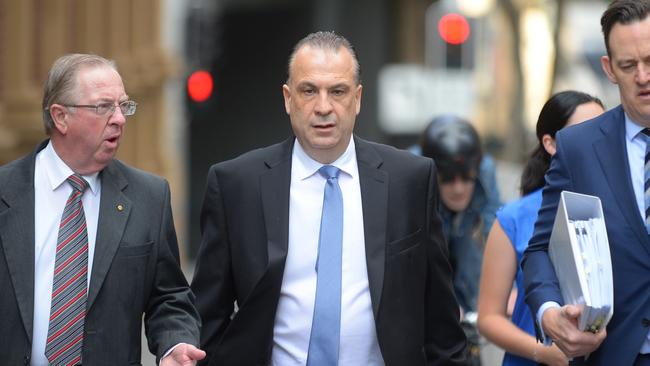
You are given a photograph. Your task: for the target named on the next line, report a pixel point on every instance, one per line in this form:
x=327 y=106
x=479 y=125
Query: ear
x=606 y=64
x=286 y=92
x=358 y=95
x=549 y=144
x=60 y=117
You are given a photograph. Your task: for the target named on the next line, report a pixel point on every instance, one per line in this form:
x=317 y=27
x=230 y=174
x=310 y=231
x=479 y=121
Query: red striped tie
x=69 y=290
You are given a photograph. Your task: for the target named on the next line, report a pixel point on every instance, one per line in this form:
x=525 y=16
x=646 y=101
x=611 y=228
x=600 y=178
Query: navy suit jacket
x=592 y=159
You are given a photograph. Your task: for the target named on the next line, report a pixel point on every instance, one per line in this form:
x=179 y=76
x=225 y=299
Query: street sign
x=411 y=95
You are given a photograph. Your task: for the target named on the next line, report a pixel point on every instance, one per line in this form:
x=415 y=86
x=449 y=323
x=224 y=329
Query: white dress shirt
x=51 y=192
x=358 y=343
x=635 y=144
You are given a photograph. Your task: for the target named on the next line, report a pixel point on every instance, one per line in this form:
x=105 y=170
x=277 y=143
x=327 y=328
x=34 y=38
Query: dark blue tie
x=326 y=324
x=646 y=172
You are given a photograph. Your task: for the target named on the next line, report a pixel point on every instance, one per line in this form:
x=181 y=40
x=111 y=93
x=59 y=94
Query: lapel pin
x=120 y=207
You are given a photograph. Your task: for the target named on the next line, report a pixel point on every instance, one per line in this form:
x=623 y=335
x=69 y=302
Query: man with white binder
x=606 y=158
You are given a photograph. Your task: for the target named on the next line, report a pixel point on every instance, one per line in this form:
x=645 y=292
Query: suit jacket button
x=27 y=359
x=645 y=322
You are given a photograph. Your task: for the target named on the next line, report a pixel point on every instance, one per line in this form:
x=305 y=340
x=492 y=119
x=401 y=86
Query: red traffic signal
x=453 y=28
x=199 y=86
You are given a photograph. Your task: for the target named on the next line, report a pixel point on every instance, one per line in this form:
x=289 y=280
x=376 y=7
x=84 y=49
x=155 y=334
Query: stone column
x=21 y=125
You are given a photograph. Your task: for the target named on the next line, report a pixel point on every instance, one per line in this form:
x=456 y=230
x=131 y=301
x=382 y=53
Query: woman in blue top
x=509 y=237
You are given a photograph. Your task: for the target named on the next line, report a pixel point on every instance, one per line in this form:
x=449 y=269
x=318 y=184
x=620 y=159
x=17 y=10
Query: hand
x=561 y=325
x=551 y=356
x=183 y=355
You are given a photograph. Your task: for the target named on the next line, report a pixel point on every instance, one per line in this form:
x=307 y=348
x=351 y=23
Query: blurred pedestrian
x=509 y=238
x=469 y=198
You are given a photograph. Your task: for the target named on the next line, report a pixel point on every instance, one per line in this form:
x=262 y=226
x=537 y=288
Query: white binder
x=579 y=250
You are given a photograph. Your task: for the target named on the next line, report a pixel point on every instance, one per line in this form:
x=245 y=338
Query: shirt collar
x=632 y=129
x=304 y=166
x=57 y=172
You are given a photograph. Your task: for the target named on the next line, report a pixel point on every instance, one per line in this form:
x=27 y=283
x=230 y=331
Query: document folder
x=579 y=250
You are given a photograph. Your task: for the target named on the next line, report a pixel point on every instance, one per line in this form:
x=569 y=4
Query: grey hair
x=326 y=40
x=61 y=84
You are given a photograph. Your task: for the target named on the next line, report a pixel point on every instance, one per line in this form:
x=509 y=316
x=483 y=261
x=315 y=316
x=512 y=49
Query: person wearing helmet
x=469 y=198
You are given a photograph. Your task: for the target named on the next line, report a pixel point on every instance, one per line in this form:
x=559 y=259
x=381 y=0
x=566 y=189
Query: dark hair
x=454 y=145
x=553 y=117
x=623 y=12
x=326 y=41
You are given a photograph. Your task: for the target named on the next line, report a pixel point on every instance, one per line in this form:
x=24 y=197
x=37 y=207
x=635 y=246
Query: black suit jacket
x=135 y=269
x=245 y=222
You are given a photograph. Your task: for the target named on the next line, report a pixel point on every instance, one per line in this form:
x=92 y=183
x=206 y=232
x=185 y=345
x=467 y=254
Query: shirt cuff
x=169 y=351
x=545 y=306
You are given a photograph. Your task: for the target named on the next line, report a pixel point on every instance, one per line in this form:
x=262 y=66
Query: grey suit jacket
x=245 y=222
x=136 y=269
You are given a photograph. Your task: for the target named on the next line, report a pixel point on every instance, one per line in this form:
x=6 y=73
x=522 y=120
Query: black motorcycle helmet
x=454 y=145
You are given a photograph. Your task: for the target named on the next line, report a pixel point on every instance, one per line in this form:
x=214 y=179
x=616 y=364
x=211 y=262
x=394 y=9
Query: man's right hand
x=561 y=325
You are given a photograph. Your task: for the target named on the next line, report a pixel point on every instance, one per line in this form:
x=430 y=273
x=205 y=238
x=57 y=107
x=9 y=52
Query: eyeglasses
x=127 y=107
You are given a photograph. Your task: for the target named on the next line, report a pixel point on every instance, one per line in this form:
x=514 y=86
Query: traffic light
x=199 y=86
x=199 y=96
x=449 y=37
x=453 y=28
x=455 y=31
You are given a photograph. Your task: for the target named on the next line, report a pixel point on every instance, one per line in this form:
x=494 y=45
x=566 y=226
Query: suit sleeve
x=212 y=281
x=170 y=316
x=540 y=281
x=445 y=342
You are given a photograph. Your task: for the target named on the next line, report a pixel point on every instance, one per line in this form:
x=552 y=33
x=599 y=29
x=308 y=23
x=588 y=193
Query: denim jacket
x=466 y=232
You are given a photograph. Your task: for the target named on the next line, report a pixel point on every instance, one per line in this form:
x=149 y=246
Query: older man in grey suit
x=87 y=244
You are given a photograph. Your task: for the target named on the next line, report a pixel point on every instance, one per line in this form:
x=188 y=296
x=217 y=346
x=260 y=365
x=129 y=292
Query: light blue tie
x=646 y=185
x=326 y=325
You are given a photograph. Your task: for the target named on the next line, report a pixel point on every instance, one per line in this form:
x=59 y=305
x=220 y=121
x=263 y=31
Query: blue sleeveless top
x=518 y=222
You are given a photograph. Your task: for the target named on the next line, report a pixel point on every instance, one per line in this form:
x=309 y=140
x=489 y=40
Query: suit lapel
x=612 y=154
x=275 y=185
x=17 y=235
x=110 y=226
x=374 y=199
x=275 y=190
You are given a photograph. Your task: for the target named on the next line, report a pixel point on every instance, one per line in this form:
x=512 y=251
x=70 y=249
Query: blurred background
x=207 y=74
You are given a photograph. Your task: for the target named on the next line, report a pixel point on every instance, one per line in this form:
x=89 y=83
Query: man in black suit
x=266 y=265
x=87 y=243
